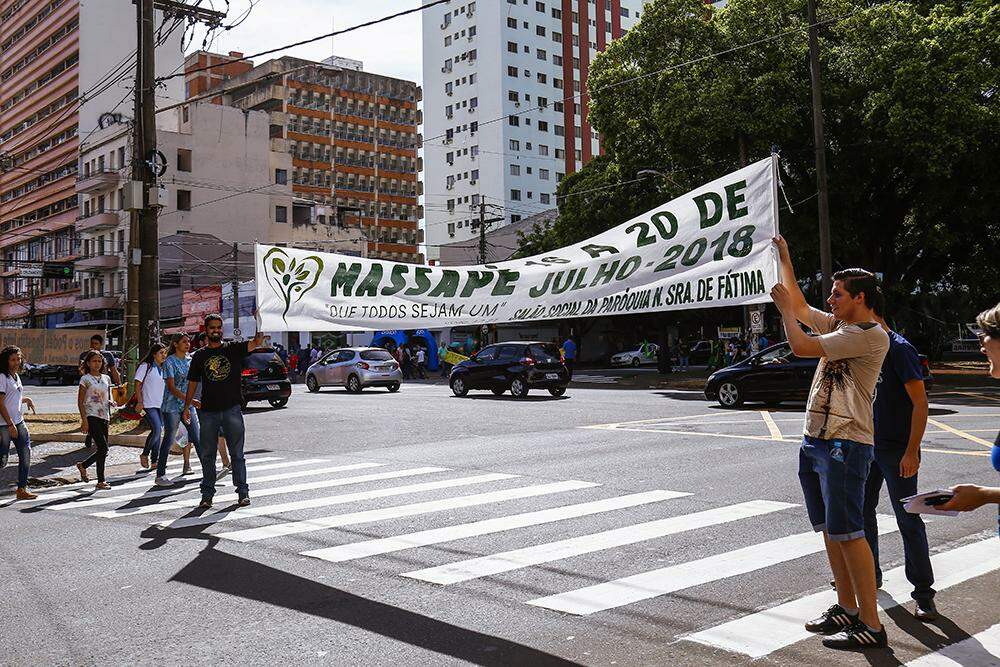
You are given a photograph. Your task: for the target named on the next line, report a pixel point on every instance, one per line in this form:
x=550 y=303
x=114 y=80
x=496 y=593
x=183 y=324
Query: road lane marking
x=153 y=492
x=485 y=566
x=982 y=648
x=387 y=513
x=664 y=580
x=954 y=451
x=771 y=426
x=292 y=488
x=963 y=434
x=354 y=550
x=764 y=632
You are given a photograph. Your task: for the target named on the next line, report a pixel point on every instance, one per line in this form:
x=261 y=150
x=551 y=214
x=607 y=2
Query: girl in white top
x=13 y=428
x=149 y=385
x=94 y=401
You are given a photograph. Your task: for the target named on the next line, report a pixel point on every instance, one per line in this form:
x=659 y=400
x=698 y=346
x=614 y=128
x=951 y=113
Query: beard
x=215 y=336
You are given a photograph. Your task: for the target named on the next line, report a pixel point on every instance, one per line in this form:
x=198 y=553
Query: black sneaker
x=833 y=620
x=926 y=611
x=205 y=504
x=243 y=501
x=857 y=636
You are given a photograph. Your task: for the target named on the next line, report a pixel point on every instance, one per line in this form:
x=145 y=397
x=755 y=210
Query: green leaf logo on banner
x=291 y=278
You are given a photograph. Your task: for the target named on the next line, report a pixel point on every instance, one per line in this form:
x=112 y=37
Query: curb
x=122 y=440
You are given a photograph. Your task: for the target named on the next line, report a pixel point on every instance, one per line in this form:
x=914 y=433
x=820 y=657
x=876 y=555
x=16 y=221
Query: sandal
x=83 y=473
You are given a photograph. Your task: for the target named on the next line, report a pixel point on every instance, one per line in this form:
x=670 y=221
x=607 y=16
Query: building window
x=544 y=198
x=540 y=30
x=556 y=13
x=515 y=195
x=183 y=200
x=475 y=174
x=625 y=12
x=542 y=149
x=281 y=176
x=542 y=78
x=512 y=46
x=560 y=131
x=183 y=159
x=281 y=214
x=543 y=174
x=515 y=170
x=540 y=7
x=556 y=36
x=515 y=145
x=541 y=54
x=515 y=218
x=514 y=120
x=512 y=71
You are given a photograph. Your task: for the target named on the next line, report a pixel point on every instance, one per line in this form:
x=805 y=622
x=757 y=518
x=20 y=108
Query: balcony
x=97 y=181
x=98 y=303
x=98 y=263
x=97 y=221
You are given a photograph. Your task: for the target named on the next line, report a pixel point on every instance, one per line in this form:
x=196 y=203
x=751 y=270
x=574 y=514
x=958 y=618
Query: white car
x=647 y=354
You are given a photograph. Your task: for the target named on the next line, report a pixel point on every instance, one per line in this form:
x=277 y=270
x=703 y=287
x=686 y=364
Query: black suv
x=514 y=366
x=265 y=378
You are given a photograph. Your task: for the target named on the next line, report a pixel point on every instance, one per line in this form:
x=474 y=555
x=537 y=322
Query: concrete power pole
x=825 y=259
x=237 y=334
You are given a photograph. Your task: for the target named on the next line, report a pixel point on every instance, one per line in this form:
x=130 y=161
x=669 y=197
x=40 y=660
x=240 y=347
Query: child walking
x=95 y=403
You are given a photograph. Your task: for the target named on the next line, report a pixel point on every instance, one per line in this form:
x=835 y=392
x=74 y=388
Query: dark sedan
x=772 y=376
x=265 y=378
x=517 y=367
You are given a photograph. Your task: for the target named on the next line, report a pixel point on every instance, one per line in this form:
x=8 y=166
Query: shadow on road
x=232 y=575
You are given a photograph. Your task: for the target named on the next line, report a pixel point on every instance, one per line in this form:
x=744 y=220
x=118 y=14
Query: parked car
x=54 y=373
x=637 y=356
x=700 y=353
x=517 y=367
x=355 y=368
x=773 y=375
x=265 y=378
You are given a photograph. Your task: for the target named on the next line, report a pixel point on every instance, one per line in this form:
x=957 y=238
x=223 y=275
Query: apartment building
x=352 y=139
x=223 y=178
x=66 y=69
x=504 y=120
x=223 y=68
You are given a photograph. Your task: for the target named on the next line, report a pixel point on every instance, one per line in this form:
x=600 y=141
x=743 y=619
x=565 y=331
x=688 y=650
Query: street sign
x=31 y=272
x=757 y=321
x=57 y=270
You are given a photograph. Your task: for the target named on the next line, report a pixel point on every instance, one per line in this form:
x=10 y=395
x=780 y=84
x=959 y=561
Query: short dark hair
x=857 y=281
x=213 y=316
x=989 y=321
x=5 y=355
x=98 y=337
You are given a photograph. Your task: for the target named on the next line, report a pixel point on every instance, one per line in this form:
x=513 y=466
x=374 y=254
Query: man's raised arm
x=799 y=307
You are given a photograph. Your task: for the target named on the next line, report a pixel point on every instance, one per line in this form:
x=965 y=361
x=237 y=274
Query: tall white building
x=503 y=120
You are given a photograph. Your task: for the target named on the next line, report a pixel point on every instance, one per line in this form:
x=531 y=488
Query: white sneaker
x=163 y=481
x=225 y=471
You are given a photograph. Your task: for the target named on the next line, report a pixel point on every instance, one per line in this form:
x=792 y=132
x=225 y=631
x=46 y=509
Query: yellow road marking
x=954 y=451
x=771 y=426
x=955 y=431
x=972 y=394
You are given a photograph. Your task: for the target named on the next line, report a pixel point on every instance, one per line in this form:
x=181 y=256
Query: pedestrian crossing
x=529 y=525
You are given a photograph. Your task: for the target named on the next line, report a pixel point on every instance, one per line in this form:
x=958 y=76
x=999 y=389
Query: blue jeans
x=170 y=423
x=155 y=420
x=885 y=468
x=23 y=446
x=231 y=423
x=833 y=475
x=684 y=363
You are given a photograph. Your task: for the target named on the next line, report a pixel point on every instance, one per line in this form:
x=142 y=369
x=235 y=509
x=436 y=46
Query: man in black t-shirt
x=218 y=368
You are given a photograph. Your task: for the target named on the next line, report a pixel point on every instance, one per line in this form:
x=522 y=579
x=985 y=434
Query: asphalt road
x=515 y=525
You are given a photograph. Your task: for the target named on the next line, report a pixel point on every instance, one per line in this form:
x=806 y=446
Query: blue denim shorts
x=833 y=475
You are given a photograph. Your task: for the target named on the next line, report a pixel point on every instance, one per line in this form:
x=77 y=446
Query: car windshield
x=544 y=353
x=259 y=359
x=779 y=353
x=376 y=355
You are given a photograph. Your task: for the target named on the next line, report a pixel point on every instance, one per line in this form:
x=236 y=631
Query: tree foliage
x=910 y=98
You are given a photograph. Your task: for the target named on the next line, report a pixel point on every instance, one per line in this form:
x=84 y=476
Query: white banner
x=710 y=247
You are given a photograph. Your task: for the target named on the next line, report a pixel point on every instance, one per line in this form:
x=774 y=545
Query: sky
x=392 y=48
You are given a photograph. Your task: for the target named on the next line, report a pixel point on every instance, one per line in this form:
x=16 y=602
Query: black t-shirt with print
x=219 y=370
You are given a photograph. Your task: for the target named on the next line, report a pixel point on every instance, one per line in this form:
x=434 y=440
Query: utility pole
x=825 y=259
x=142 y=303
x=236 y=292
x=482 y=228
x=29 y=323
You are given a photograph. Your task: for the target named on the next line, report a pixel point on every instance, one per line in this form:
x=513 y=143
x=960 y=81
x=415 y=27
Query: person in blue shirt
x=569 y=354
x=972 y=496
x=900 y=412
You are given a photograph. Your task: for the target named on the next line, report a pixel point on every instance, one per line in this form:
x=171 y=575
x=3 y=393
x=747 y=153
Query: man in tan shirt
x=838 y=442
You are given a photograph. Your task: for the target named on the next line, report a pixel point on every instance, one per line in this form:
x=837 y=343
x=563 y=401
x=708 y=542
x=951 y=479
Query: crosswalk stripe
x=387 y=513
x=982 y=648
x=485 y=566
x=327 y=501
x=424 y=538
x=186 y=485
x=662 y=581
x=291 y=488
x=764 y=632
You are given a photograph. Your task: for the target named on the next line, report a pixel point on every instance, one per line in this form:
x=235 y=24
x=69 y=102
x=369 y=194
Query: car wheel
x=518 y=388
x=312 y=384
x=458 y=386
x=635 y=362
x=557 y=391
x=498 y=391
x=729 y=395
x=278 y=402
x=354 y=384
x=394 y=387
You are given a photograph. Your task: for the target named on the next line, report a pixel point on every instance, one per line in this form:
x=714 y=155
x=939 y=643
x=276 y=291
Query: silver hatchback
x=355 y=368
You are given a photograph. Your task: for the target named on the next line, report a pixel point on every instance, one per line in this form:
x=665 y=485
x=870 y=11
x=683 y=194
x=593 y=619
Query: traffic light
x=57 y=270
